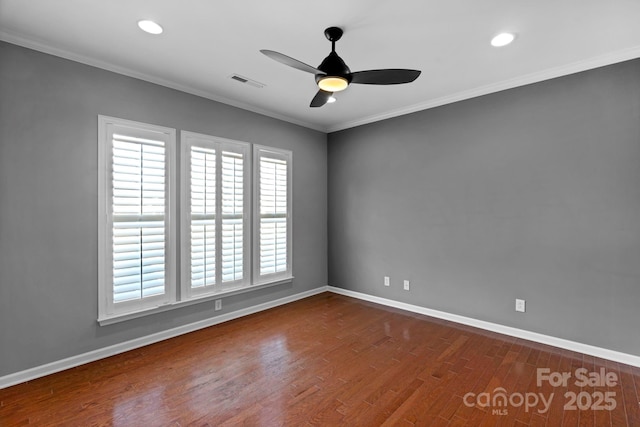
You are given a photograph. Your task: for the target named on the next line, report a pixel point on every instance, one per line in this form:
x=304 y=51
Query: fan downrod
x=333 y=34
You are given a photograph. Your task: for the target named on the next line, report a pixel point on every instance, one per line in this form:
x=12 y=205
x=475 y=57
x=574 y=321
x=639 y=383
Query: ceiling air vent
x=246 y=81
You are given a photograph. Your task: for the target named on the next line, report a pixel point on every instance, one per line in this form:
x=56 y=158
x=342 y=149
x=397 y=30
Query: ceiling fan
x=333 y=75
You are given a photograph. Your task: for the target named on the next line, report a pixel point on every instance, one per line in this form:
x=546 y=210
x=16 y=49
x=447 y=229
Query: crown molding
x=550 y=73
x=16 y=39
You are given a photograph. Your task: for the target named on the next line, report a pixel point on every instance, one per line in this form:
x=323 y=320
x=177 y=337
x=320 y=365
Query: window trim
x=187 y=140
x=197 y=300
x=287 y=155
x=177 y=220
x=106 y=127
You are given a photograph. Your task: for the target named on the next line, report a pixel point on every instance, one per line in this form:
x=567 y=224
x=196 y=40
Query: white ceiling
x=206 y=41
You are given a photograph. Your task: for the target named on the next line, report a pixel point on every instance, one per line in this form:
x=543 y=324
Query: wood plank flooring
x=331 y=360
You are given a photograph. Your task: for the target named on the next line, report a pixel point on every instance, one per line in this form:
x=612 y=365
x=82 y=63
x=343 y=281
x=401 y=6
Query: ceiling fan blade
x=287 y=60
x=321 y=98
x=392 y=76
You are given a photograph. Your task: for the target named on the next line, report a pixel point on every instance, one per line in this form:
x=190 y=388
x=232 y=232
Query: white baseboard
x=81 y=359
x=603 y=353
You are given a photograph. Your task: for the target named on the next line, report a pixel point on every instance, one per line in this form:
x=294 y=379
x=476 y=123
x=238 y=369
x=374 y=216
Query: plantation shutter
x=138 y=179
x=217 y=214
x=135 y=260
x=274 y=199
x=203 y=217
x=232 y=216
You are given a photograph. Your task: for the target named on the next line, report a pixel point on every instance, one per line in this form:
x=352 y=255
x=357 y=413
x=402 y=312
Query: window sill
x=122 y=317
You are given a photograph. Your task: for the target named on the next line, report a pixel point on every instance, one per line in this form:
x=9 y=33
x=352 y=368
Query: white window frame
x=188 y=140
x=178 y=295
x=107 y=126
x=260 y=151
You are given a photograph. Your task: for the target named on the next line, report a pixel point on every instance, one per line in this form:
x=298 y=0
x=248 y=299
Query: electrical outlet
x=218 y=305
x=406 y=285
x=386 y=281
x=520 y=305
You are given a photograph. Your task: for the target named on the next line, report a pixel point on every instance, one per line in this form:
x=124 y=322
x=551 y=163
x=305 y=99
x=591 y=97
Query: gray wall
x=48 y=201
x=529 y=193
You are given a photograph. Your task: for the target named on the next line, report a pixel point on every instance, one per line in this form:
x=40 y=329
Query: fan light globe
x=333 y=84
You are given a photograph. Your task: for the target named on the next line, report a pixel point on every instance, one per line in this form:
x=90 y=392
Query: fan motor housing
x=333 y=65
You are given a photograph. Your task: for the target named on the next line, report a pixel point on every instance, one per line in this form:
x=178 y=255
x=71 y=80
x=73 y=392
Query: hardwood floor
x=332 y=360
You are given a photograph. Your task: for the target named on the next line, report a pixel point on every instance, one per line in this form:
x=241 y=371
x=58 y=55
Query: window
x=272 y=198
x=136 y=241
x=235 y=220
x=215 y=226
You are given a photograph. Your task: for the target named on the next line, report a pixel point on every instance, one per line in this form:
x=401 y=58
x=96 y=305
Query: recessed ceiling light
x=502 y=39
x=331 y=100
x=150 y=27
